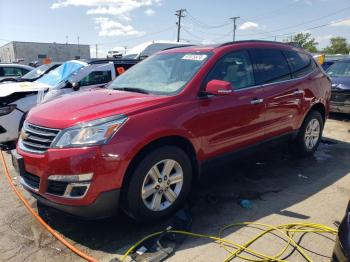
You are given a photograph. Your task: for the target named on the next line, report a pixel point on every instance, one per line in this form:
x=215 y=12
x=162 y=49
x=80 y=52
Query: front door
x=234 y=120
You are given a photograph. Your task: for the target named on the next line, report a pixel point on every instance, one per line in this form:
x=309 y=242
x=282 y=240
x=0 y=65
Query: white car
x=16 y=99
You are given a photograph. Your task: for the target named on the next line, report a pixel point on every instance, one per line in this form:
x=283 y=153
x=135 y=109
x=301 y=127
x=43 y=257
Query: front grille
x=56 y=187
x=31 y=180
x=36 y=139
x=339 y=96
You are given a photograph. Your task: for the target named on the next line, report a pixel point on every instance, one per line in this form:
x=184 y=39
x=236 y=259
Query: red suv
x=140 y=144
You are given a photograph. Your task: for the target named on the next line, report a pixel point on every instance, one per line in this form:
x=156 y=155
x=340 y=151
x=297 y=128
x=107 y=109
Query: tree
x=306 y=41
x=338 y=45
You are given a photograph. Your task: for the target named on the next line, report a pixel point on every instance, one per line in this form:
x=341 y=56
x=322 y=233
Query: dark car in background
x=341 y=250
x=340 y=75
x=32 y=75
x=327 y=64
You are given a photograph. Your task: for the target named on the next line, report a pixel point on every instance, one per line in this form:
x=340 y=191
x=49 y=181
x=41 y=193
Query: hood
x=7 y=89
x=74 y=108
x=340 y=83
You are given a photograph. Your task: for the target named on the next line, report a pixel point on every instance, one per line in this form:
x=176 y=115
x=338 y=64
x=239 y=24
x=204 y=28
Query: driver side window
x=235 y=68
x=96 y=78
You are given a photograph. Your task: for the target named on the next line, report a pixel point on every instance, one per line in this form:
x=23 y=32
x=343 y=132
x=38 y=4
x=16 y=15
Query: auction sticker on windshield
x=194 y=57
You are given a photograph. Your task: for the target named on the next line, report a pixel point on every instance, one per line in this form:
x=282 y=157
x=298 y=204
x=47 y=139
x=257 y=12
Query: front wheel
x=159 y=184
x=310 y=134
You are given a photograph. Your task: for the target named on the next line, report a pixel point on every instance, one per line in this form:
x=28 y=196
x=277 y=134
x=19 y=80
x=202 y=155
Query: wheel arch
x=172 y=140
x=320 y=108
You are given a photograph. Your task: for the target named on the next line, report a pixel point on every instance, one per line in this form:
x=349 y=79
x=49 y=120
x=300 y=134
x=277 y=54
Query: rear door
x=235 y=120
x=280 y=93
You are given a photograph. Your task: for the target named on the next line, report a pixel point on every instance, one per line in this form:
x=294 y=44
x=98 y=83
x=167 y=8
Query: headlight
x=5 y=110
x=90 y=133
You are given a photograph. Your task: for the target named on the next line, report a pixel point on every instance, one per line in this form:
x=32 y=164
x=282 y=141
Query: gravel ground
x=282 y=188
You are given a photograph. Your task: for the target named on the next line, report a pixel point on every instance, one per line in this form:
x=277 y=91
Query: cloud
x=150 y=12
x=248 y=25
x=110 y=27
x=120 y=9
x=341 y=23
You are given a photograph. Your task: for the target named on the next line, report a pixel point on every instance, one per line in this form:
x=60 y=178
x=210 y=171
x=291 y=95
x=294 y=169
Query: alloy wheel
x=312 y=133
x=162 y=185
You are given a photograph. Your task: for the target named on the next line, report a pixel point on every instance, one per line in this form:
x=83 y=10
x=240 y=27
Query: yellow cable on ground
x=286 y=230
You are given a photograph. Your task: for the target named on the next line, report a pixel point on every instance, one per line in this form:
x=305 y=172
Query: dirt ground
x=282 y=188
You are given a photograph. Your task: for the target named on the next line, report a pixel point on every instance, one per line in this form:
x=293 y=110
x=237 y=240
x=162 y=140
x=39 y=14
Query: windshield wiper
x=132 y=89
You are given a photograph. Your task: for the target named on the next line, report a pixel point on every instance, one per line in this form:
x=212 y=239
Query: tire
x=306 y=141
x=143 y=181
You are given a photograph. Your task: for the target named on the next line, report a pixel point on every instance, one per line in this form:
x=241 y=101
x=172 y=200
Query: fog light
x=78 y=191
x=72 y=178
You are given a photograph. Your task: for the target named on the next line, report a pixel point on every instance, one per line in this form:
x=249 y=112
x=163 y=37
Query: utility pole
x=96 y=50
x=179 y=14
x=234 y=27
x=78 y=38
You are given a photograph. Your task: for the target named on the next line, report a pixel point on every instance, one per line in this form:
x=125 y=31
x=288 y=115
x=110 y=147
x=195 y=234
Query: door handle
x=256 y=101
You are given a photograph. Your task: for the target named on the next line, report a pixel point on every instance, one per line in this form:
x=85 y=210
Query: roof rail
x=254 y=41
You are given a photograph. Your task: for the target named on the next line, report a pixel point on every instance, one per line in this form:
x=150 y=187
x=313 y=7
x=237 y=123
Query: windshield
x=61 y=73
x=339 y=69
x=36 y=72
x=162 y=73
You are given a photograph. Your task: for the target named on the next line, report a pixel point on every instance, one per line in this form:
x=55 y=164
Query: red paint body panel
x=214 y=125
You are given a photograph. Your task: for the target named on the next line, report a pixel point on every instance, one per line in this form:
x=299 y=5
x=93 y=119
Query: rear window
x=301 y=64
x=270 y=65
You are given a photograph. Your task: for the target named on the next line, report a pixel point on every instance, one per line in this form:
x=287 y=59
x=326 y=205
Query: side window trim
x=310 y=63
x=257 y=59
x=205 y=81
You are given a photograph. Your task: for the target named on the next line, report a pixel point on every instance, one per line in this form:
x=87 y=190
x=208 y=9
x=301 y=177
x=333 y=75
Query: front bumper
x=106 y=205
x=102 y=196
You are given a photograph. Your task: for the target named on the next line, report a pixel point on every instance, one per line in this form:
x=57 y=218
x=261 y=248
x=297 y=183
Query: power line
x=202 y=24
x=309 y=28
x=303 y=23
x=278 y=10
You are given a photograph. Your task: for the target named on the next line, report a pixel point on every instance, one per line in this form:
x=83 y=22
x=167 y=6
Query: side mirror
x=218 y=88
x=76 y=86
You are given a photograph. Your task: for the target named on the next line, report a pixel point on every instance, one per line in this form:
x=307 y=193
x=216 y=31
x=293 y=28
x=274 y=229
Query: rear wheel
x=310 y=134
x=159 y=184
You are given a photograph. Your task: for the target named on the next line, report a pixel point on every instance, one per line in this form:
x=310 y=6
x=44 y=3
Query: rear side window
x=301 y=64
x=12 y=71
x=270 y=66
x=96 y=78
x=235 y=68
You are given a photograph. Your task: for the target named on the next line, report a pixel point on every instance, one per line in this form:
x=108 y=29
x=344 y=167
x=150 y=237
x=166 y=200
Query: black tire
x=301 y=146
x=133 y=203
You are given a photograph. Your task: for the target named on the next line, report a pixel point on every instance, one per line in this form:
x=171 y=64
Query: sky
x=119 y=24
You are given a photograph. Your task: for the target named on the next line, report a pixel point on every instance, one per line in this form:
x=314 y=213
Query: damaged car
x=340 y=75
